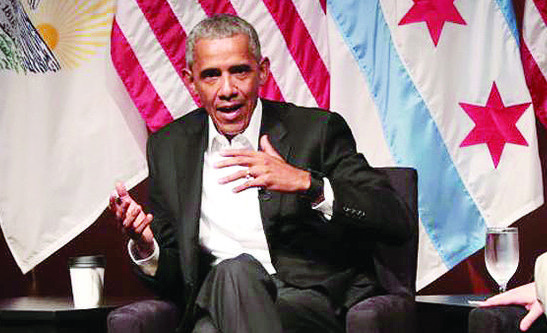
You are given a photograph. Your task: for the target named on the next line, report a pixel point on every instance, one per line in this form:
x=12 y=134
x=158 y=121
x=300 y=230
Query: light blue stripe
x=506 y=7
x=447 y=211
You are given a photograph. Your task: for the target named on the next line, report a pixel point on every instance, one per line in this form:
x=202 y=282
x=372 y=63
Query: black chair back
x=396 y=264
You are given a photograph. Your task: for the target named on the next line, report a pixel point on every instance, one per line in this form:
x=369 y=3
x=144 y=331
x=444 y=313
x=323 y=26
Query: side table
x=54 y=315
x=445 y=313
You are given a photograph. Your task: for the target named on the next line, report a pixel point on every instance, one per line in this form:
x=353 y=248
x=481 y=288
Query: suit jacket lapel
x=272 y=125
x=188 y=152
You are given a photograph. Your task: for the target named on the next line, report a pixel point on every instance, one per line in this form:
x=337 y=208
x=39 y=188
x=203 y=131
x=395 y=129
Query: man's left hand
x=265 y=169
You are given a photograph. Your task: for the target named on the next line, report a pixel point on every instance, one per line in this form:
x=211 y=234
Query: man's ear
x=264 y=68
x=189 y=80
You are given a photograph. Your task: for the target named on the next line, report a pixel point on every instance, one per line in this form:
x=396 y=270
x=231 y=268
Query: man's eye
x=242 y=75
x=240 y=70
x=210 y=73
x=209 y=79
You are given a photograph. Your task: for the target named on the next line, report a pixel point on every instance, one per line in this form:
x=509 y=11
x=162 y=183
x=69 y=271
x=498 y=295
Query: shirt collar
x=251 y=133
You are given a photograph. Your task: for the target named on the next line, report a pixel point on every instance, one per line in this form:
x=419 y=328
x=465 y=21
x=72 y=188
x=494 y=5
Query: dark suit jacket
x=306 y=250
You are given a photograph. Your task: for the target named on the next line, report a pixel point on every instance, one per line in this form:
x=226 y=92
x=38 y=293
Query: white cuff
x=148 y=265
x=325 y=206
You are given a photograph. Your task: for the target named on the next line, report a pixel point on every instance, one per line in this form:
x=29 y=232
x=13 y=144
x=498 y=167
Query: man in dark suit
x=263 y=212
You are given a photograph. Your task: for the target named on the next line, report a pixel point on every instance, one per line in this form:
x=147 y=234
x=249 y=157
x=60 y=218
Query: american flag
x=414 y=79
x=148 y=51
x=533 y=50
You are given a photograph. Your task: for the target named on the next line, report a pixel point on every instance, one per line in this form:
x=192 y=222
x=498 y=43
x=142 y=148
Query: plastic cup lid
x=87 y=261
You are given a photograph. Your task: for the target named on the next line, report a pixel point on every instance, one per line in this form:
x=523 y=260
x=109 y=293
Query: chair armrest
x=502 y=319
x=143 y=317
x=384 y=313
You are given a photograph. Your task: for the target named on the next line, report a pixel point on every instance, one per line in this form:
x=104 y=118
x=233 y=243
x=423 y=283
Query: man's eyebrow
x=240 y=68
x=209 y=72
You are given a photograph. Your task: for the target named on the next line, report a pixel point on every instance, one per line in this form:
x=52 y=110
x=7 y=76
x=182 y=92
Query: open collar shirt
x=230 y=223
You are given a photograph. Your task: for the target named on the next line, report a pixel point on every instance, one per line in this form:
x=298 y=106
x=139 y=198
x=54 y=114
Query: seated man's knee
x=238 y=265
x=243 y=268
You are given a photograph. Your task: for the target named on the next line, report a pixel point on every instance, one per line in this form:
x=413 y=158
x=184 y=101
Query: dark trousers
x=238 y=295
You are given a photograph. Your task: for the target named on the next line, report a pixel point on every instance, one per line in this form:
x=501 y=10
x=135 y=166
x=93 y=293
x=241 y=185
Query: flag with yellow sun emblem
x=67 y=129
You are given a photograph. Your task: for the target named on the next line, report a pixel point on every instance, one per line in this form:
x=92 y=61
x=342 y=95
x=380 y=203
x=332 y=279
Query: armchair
x=396 y=267
x=392 y=312
x=502 y=319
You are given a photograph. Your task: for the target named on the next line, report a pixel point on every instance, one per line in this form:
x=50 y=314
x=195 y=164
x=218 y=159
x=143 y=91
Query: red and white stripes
x=148 y=39
x=534 y=54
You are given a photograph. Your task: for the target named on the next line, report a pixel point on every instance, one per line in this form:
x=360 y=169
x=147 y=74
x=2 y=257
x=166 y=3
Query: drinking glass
x=501 y=254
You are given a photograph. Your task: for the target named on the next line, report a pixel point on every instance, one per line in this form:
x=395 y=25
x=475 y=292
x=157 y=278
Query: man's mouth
x=228 y=109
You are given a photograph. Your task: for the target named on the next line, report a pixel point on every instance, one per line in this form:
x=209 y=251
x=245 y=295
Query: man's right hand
x=133 y=221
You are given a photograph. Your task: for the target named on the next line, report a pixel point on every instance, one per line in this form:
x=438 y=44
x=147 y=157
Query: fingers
x=244 y=173
x=255 y=167
x=131 y=214
x=121 y=190
x=146 y=223
x=253 y=182
x=112 y=201
x=119 y=200
x=118 y=206
x=494 y=301
x=132 y=218
x=265 y=169
x=139 y=224
x=248 y=157
x=236 y=159
x=535 y=312
x=500 y=299
x=521 y=295
x=136 y=221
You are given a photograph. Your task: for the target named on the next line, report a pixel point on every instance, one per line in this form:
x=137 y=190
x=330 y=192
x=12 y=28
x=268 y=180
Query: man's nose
x=228 y=88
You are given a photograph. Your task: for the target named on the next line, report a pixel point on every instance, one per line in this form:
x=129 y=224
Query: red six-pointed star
x=435 y=13
x=495 y=124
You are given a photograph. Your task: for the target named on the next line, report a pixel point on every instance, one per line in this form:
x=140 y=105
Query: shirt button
x=265 y=195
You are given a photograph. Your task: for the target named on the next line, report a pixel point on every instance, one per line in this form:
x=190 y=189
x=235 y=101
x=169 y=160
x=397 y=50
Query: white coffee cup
x=87 y=280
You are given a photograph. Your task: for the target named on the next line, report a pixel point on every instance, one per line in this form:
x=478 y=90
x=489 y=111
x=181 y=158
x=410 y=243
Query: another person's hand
x=524 y=295
x=265 y=169
x=133 y=221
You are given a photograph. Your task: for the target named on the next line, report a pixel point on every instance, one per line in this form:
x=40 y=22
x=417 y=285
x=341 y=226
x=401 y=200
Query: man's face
x=226 y=77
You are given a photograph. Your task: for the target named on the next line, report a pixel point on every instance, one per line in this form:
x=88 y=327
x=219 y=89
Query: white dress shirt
x=230 y=223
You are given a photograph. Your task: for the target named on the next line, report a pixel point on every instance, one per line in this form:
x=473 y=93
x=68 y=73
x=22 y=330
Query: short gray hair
x=222 y=26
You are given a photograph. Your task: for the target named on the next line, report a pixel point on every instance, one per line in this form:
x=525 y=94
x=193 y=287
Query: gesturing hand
x=265 y=169
x=133 y=220
x=524 y=295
